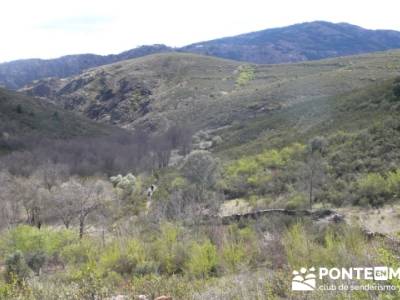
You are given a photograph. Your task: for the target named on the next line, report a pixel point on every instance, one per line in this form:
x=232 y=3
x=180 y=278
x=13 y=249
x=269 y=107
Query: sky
x=52 y=28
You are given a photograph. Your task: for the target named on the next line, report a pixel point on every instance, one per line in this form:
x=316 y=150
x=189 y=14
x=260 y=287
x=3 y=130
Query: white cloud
x=48 y=28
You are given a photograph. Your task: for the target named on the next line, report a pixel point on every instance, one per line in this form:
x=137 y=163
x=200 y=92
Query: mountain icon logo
x=304 y=280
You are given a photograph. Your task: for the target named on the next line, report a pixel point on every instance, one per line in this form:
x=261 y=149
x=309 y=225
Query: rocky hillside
x=16 y=74
x=157 y=90
x=300 y=42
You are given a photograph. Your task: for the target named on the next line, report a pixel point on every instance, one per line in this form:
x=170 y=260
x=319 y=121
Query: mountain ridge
x=299 y=42
x=295 y=43
x=155 y=91
x=15 y=74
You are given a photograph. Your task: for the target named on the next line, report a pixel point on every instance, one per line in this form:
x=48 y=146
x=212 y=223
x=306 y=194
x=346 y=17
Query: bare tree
x=91 y=195
x=28 y=192
x=63 y=202
x=10 y=212
x=315 y=164
x=201 y=169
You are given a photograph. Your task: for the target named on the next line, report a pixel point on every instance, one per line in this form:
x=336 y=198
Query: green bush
x=239 y=249
x=246 y=74
x=122 y=258
x=170 y=253
x=376 y=189
x=233 y=256
x=297 y=201
x=90 y=282
x=28 y=239
x=267 y=171
x=16 y=268
x=80 y=252
x=334 y=246
x=203 y=260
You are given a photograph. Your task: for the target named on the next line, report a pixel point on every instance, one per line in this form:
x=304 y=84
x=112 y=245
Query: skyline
x=46 y=29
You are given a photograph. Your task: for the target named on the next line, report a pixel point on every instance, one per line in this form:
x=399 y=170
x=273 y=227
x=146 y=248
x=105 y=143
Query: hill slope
x=17 y=73
x=157 y=90
x=300 y=42
x=22 y=116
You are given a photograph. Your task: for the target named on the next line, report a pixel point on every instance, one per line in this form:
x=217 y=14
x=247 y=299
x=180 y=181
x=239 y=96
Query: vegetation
x=139 y=213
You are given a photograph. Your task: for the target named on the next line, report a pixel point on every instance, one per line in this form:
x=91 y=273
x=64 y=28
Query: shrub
x=80 y=252
x=122 y=258
x=373 y=188
x=203 y=260
x=334 y=246
x=28 y=239
x=16 y=268
x=233 y=255
x=169 y=252
x=396 y=88
x=89 y=280
x=376 y=189
x=259 y=173
x=36 y=260
x=240 y=248
x=393 y=181
x=297 y=201
x=246 y=74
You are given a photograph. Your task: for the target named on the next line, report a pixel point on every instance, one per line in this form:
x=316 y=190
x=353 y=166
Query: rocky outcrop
x=18 y=73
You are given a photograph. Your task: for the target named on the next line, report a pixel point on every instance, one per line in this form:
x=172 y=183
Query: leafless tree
x=91 y=195
x=316 y=165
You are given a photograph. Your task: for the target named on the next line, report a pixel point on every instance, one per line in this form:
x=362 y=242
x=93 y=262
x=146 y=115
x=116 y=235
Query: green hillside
x=296 y=158
x=208 y=93
x=27 y=120
x=20 y=114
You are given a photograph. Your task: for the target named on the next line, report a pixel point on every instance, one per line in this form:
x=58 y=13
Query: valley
x=198 y=177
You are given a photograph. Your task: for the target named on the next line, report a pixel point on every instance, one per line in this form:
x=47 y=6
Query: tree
x=162 y=147
x=316 y=150
x=9 y=214
x=51 y=174
x=396 y=87
x=91 y=195
x=64 y=202
x=32 y=196
x=200 y=169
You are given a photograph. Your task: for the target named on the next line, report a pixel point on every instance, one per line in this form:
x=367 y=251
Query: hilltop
x=158 y=90
x=296 y=43
x=16 y=74
x=299 y=42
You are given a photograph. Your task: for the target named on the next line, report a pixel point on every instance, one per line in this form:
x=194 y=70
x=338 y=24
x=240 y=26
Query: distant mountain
x=18 y=73
x=300 y=42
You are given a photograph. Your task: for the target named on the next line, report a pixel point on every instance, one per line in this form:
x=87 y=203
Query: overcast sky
x=52 y=28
